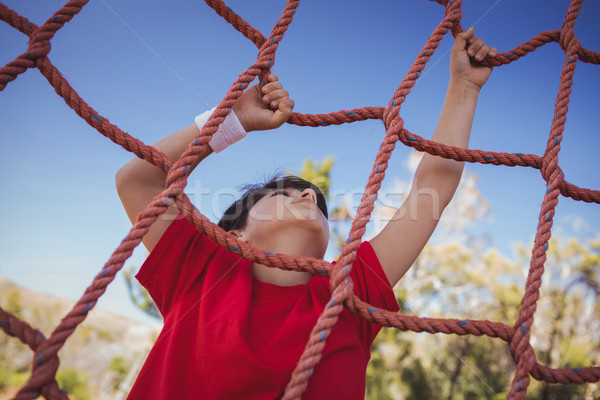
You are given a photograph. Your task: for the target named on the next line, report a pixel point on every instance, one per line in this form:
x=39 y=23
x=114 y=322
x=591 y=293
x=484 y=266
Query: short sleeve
x=176 y=263
x=372 y=285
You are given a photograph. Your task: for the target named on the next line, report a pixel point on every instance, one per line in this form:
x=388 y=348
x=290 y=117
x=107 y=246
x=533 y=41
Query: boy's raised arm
x=436 y=179
x=138 y=182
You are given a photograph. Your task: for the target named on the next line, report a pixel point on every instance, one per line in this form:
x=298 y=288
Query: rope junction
x=45 y=360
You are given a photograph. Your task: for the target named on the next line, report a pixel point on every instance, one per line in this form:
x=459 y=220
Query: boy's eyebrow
x=285 y=189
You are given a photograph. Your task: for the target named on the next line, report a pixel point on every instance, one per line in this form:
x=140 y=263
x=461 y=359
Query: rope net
x=45 y=360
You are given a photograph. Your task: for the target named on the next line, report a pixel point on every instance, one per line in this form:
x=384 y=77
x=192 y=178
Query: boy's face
x=282 y=209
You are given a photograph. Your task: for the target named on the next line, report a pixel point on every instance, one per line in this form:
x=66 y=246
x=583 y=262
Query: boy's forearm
x=456 y=119
x=454 y=129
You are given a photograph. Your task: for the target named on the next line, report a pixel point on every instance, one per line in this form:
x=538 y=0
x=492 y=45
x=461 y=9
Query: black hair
x=236 y=215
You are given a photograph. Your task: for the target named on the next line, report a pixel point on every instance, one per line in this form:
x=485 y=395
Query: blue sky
x=150 y=68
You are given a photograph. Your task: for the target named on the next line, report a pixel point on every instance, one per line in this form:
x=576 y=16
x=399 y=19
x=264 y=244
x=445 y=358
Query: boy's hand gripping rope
x=45 y=361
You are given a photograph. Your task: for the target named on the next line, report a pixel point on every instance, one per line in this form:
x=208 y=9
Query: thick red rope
x=45 y=361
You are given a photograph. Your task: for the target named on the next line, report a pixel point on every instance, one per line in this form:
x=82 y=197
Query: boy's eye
x=283 y=192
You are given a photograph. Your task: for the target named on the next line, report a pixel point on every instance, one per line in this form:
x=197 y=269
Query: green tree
x=120 y=367
x=420 y=384
x=139 y=295
x=340 y=219
x=74 y=383
x=318 y=173
x=568 y=314
x=14 y=369
x=451 y=280
x=459 y=275
x=13 y=303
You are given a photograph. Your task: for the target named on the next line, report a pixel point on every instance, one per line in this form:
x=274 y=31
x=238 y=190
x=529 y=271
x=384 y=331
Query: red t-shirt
x=227 y=335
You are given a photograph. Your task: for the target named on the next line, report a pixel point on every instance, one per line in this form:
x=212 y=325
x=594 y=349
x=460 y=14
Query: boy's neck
x=291 y=242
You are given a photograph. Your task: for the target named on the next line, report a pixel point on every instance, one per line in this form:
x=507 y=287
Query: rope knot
x=266 y=54
x=550 y=171
x=568 y=41
x=391 y=118
x=175 y=187
x=39 y=45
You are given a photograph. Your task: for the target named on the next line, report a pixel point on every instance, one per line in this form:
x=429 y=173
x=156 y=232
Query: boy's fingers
x=279 y=93
x=274 y=95
x=285 y=106
x=283 y=112
x=286 y=103
x=482 y=53
x=464 y=37
x=475 y=47
x=273 y=77
x=269 y=87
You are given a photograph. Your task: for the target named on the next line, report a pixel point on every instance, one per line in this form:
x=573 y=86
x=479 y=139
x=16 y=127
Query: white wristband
x=230 y=131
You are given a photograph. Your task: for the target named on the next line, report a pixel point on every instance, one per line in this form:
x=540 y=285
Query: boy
x=236 y=329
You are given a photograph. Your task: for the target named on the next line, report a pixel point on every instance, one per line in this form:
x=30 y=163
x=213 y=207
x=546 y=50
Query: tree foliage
x=74 y=383
x=460 y=275
x=318 y=173
x=139 y=295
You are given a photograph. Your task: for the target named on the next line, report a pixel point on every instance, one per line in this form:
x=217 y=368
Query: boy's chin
x=313 y=227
